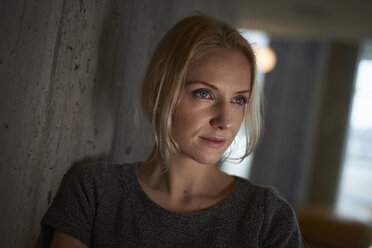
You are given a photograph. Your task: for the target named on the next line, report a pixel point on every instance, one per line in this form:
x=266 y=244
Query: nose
x=222 y=117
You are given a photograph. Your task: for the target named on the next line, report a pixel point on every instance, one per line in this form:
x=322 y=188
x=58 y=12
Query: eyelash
x=244 y=100
x=198 y=92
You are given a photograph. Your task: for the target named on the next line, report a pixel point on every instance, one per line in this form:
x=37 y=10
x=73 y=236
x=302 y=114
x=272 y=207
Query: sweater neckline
x=141 y=195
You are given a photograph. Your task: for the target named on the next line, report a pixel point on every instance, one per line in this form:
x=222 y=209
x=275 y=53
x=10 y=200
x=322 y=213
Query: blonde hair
x=185 y=42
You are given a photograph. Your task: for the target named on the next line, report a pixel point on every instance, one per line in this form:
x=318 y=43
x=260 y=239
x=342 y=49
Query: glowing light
x=266 y=59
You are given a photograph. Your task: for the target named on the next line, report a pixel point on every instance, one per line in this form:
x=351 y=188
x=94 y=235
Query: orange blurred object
x=322 y=227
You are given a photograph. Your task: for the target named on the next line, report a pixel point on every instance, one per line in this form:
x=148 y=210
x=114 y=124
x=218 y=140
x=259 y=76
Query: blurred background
x=70 y=74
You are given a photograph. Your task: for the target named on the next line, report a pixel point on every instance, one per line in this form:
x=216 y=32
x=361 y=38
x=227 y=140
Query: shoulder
x=84 y=189
x=278 y=222
x=281 y=227
x=275 y=203
x=99 y=172
x=99 y=178
x=87 y=171
x=269 y=197
x=251 y=194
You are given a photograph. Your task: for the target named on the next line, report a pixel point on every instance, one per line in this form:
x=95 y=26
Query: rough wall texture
x=57 y=101
x=69 y=76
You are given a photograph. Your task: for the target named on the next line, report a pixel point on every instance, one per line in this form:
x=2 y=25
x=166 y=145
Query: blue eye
x=204 y=94
x=240 y=100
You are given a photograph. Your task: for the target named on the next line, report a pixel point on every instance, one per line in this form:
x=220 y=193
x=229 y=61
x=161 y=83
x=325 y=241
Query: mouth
x=214 y=142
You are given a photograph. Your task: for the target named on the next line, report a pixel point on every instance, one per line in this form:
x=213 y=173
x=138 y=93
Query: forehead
x=222 y=68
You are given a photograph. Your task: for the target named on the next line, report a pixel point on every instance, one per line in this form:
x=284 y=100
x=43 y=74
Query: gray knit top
x=103 y=205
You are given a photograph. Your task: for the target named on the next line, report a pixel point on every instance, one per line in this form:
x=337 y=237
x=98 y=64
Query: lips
x=214 y=142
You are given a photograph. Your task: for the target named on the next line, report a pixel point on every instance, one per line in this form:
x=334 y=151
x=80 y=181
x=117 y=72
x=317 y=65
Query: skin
x=211 y=108
x=212 y=105
x=62 y=240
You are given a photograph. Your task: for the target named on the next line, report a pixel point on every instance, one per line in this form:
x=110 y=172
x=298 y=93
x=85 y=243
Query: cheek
x=188 y=120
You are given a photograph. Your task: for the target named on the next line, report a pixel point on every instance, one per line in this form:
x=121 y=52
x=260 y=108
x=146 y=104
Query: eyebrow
x=213 y=87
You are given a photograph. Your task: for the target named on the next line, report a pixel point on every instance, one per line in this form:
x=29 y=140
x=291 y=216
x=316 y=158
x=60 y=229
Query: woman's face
x=211 y=108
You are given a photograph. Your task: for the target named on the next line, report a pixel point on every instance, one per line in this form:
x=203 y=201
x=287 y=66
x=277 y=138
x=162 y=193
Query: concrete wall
x=69 y=73
x=57 y=103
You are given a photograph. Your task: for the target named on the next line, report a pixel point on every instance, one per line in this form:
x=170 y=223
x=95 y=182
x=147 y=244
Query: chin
x=203 y=156
x=207 y=159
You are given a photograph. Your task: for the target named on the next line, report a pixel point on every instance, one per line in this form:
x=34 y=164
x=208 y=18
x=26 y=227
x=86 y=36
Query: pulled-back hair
x=163 y=85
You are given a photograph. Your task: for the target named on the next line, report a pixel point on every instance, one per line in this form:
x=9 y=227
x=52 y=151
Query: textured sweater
x=103 y=205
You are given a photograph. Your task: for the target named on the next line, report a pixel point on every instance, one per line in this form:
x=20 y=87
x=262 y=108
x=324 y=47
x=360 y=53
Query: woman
x=199 y=88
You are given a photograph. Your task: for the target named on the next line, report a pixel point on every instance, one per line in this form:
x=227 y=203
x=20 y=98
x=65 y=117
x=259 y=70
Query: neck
x=185 y=176
x=187 y=186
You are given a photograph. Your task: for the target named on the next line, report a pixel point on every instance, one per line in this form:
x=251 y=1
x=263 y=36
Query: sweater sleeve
x=280 y=225
x=74 y=207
